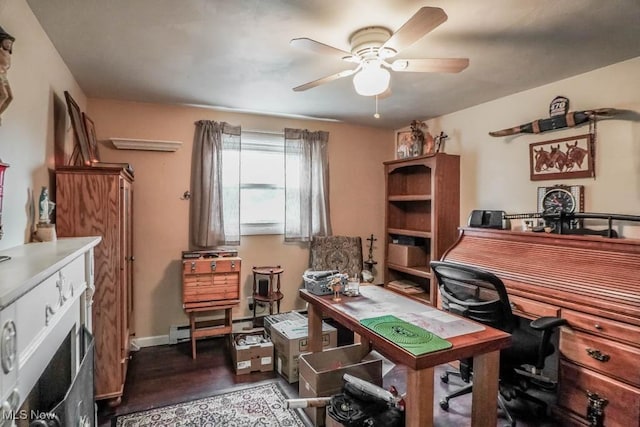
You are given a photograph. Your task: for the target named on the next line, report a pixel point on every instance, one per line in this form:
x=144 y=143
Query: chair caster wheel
x=444 y=404
x=444 y=378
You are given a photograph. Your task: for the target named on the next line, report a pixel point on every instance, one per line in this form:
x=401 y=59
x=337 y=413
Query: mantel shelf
x=145 y=144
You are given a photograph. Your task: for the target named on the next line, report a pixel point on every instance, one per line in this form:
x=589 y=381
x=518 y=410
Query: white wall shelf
x=145 y=144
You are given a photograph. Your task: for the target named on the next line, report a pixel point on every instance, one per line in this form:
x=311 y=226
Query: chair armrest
x=546 y=323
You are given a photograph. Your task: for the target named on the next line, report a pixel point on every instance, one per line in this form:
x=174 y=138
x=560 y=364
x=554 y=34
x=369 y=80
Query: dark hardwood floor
x=164 y=375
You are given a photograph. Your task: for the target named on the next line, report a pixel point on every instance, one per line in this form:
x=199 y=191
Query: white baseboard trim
x=151 y=341
x=239 y=325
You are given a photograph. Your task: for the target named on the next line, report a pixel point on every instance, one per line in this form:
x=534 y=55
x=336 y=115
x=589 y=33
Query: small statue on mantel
x=46 y=207
x=45 y=231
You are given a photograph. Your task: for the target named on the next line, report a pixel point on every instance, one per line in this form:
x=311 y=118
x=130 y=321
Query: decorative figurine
x=6 y=47
x=336 y=285
x=46 y=207
x=417 y=138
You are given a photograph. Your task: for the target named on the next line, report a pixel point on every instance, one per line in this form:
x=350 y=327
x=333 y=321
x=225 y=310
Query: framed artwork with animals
x=564 y=158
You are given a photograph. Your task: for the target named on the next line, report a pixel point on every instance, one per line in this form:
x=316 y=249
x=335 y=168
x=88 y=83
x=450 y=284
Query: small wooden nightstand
x=210 y=284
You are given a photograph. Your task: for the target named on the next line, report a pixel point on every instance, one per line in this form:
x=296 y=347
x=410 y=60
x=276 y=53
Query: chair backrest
x=340 y=253
x=473 y=293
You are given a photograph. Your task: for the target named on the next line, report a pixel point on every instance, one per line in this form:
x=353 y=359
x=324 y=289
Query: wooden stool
x=208 y=328
x=273 y=295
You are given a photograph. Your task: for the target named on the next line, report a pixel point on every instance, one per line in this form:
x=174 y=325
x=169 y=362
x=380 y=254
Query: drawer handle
x=598 y=326
x=595 y=409
x=513 y=305
x=193 y=266
x=213 y=266
x=233 y=264
x=598 y=355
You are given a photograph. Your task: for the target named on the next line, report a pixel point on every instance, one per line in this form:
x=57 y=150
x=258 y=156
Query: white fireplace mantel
x=45 y=293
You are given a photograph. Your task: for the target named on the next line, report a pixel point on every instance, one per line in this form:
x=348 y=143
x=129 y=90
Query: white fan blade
x=323 y=80
x=317 y=47
x=422 y=22
x=431 y=65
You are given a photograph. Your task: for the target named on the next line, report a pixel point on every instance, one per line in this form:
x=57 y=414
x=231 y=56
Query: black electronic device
x=488 y=219
x=263 y=287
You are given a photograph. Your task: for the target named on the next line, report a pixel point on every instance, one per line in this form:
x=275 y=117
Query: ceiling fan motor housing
x=366 y=42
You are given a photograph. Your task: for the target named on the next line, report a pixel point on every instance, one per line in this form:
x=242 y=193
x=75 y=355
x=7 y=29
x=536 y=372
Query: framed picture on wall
x=90 y=128
x=564 y=158
x=407 y=146
x=79 y=132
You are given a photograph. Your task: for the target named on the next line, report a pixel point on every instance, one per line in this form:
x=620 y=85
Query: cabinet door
x=126 y=269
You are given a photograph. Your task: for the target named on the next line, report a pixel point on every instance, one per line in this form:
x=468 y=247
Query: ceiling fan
x=372 y=47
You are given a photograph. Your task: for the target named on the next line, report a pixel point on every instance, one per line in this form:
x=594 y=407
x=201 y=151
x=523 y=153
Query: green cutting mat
x=410 y=337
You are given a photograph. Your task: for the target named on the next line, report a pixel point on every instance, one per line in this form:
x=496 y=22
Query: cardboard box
x=321 y=374
x=290 y=339
x=272 y=319
x=408 y=256
x=330 y=422
x=248 y=357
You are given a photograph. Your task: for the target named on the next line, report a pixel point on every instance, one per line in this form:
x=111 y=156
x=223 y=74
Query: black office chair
x=481 y=296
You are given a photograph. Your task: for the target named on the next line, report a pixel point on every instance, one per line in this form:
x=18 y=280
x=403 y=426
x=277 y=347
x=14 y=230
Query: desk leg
x=419 y=398
x=315 y=329
x=484 y=409
x=365 y=345
x=192 y=327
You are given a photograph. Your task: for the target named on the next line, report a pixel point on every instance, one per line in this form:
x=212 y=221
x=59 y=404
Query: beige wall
x=161 y=217
x=495 y=171
x=38 y=78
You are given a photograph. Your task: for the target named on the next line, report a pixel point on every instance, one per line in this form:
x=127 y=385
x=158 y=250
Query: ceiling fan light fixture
x=371 y=80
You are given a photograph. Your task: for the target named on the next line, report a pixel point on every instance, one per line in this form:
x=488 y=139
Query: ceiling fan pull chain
x=376 y=115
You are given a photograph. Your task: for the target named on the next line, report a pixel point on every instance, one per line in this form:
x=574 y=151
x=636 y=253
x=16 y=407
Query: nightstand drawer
x=210 y=265
x=196 y=280
x=622 y=407
x=611 y=358
x=603 y=327
x=226 y=278
x=210 y=293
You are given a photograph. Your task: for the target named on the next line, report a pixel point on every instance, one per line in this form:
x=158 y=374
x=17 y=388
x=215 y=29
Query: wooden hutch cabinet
x=422 y=215
x=92 y=201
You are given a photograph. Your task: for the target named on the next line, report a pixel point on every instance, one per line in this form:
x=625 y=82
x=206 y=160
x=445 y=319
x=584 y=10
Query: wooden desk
x=592 y=282
x=484 y=346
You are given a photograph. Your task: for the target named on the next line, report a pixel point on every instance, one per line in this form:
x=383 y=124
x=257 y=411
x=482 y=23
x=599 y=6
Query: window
x=262 y=183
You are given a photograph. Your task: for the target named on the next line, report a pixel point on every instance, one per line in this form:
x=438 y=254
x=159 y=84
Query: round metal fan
x=373 y=47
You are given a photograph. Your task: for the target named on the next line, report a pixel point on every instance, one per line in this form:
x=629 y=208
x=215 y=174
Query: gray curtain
x=215 y=185
x=306 y=185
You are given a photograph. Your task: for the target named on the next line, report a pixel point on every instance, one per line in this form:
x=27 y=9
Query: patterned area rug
x=262 y=405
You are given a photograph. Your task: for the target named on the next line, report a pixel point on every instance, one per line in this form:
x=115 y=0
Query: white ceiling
x=236 y=54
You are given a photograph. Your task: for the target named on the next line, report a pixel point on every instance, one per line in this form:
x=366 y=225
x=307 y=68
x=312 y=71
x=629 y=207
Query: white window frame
x=249 y=139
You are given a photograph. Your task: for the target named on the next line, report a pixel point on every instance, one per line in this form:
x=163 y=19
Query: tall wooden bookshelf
x=422 y=209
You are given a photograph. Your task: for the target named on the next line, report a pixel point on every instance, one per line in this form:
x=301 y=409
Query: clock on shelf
x=562 y=199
